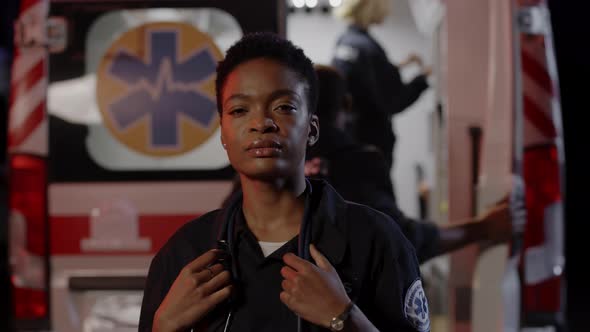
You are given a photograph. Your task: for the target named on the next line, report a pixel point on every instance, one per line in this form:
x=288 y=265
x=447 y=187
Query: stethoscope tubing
x=302 y=251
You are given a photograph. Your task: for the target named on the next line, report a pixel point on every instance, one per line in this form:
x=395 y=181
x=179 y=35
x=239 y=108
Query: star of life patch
x=416 y=307
x=346 y=53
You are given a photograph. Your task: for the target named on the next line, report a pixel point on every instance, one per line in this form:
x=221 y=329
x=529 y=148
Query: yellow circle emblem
x=156 y=88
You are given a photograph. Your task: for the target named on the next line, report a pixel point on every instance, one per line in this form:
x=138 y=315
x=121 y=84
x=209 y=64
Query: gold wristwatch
x=337 y=323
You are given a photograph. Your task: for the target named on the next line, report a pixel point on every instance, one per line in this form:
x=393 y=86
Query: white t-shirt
x=270 y=247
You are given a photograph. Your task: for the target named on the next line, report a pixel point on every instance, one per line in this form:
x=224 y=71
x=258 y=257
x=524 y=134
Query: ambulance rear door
x=134 y=148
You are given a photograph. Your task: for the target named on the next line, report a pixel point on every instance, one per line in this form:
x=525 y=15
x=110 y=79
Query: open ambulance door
x=113 y=145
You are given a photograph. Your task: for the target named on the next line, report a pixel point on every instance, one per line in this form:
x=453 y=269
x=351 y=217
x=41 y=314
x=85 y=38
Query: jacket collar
x=328 y=210
x=358 y=28
x=328 y=228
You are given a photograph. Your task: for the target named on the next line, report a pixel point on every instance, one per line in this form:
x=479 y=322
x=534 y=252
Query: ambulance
x=498 y=121
x=113 y=144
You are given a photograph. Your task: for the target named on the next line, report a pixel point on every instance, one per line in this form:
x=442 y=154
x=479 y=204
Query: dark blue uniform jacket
x=376 y=86
x=375 y=262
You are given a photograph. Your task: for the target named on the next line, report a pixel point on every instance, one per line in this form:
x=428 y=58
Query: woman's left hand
x=315 y=293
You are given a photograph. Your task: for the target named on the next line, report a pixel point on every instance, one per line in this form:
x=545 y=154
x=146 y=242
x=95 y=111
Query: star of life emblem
x=416 y=307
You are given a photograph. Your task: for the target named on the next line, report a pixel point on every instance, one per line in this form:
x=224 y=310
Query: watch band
x=337 y=323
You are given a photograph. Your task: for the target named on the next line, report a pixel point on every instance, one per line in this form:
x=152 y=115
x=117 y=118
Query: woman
x=294 y=254
x=375 y=84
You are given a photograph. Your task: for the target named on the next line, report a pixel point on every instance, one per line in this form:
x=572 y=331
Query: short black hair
x=270 y=46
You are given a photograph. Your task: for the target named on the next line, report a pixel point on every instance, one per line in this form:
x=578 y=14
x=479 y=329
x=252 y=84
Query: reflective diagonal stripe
x=27 y=111
x=25 y=104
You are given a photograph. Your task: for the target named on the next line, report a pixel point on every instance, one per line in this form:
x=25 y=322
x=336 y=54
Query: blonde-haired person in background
x=362 y=12
x=375 y=84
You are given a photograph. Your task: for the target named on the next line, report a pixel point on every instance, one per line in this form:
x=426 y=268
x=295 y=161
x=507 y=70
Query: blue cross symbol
x=421 y=306
x=163 y=88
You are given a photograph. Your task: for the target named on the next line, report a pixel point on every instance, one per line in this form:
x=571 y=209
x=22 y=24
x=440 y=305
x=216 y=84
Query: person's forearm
x=411 y=92
x=492 y=227
x=457 y=236
x=358 y=322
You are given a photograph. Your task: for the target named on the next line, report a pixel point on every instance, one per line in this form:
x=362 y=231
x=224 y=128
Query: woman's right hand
x=195 y=292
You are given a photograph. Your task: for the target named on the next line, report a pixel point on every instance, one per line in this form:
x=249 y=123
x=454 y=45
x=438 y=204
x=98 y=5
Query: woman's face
x=265 y=121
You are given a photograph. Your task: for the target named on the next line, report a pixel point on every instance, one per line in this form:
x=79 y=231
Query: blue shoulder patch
x=416 y=307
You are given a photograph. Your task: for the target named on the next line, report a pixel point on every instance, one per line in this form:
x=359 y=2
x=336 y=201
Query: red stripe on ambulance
x=68 y=232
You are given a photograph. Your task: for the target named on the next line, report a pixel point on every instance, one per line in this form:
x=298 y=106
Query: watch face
x=337 y=325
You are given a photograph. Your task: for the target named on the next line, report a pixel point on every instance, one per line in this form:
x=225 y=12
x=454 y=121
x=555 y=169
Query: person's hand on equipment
x=412 y=58
x=196 y=291
x=426 y=70
x=497 y=222
x=416 y=59
x=314 y=292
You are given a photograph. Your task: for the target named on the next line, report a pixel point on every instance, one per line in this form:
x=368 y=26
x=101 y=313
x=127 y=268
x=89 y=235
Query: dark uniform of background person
x=359 y=173
x=375 y=84
x=265 y=86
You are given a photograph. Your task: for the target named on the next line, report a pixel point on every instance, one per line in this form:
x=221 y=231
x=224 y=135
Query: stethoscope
x=225 y=242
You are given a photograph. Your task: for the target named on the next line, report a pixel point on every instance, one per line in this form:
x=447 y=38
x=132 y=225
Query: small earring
x=224 y=145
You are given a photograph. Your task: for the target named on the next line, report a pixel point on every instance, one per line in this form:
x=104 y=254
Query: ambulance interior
x=454 y=156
